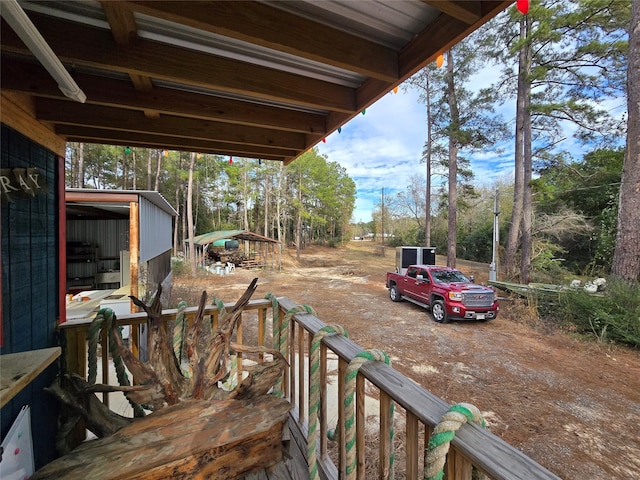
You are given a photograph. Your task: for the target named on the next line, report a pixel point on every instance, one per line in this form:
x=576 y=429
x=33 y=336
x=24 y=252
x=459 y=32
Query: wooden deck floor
x=293 y=467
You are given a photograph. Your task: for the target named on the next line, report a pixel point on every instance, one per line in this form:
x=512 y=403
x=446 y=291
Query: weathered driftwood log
x=165 y=379
x=216 y=439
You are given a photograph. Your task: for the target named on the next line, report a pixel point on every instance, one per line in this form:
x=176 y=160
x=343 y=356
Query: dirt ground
x=571 y=404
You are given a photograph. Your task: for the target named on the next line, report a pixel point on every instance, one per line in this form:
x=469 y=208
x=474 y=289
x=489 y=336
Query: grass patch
x=611 y=317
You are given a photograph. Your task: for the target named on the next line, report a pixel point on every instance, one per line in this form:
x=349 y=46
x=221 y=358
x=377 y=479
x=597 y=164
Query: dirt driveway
x=571 y=405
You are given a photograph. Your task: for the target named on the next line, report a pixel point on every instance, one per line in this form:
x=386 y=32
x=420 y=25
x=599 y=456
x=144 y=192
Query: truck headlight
x=455 y=296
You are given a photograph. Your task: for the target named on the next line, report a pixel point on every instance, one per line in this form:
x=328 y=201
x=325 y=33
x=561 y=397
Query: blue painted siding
x=30 y=284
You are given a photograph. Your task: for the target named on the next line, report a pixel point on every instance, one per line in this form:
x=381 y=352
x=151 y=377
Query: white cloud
x=383 y=147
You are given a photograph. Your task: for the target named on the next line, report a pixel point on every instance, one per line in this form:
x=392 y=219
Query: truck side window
x=412 y=272
x=424 y=275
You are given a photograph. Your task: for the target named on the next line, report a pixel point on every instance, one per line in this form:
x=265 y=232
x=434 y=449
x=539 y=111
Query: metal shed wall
x=155 y=230
x=111 y=235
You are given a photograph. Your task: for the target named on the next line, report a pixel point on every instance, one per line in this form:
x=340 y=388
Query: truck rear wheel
x=394 y=295
x=438 y=311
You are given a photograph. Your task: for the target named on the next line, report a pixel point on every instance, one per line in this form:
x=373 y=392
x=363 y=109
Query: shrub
x=612 y=316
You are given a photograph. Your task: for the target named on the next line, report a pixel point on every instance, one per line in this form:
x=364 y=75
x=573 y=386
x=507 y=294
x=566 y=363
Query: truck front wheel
x=394 y=294
x=438 y=311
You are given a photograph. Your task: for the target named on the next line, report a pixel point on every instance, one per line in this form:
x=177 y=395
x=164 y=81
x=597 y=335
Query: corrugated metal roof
x=103 y=198
x=211 y=237
x=255 y=79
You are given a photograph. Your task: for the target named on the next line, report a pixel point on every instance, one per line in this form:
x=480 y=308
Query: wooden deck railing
x=417 y=410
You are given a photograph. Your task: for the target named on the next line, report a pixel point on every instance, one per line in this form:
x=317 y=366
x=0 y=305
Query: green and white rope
x=104 y=320
x=443 y=433
x=314 y=394
x=179 y=330
x=281 y=332
x=349 y=411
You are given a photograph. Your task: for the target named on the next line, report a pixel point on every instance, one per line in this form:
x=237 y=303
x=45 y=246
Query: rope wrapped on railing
x=281 y=332
x=104 y=320
x=443 y=433
x=349 y=411
x=314 y=394
x=179 y=329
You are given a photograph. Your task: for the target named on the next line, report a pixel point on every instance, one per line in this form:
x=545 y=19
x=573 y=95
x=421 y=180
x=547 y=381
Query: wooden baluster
x=322 y=412
x=386 y=425
x=302 y=412
x=411 y=447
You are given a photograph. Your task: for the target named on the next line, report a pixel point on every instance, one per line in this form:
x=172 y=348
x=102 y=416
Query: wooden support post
x=134 y=250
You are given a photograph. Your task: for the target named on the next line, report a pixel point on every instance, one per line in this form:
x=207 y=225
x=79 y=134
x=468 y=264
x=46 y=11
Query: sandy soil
x=570 y=404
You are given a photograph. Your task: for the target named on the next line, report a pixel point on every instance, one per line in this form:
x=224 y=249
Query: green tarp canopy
x=221 y=235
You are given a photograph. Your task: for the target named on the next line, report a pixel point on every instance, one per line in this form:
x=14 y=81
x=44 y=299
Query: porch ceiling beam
x=123 y=28
x=97 y=49
x=302 y=37
x=33 y=79
x=423 y=50
x=467 y=11
x=63 y=112
x=75 y=133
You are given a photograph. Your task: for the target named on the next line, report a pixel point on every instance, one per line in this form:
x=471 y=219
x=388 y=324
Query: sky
x=383 y=147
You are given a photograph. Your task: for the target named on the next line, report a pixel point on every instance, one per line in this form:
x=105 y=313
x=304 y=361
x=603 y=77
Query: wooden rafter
x=33 y=79
x=467 y=11
x=66 y=112
x=176 y=64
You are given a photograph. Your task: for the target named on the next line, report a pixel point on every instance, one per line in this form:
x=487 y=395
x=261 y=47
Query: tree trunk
x=192 y=249
x=266 y=205
x=158 y=170
x=125 y=169
x=299 y=218
x=133 y=167
x=279 y=226
x=80 y=177
x=527 y=207
x=453 y=165
x=427 y=215
x=149 y=159
x=527 y=198
x=245 y=196
x=176 y=224
x=626 y=258
x=518 y=187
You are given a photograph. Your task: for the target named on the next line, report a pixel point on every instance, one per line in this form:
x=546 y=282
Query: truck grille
x=475 y=299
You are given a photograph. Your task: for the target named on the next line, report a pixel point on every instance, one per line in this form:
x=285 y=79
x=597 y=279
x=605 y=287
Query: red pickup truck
x=445 y=291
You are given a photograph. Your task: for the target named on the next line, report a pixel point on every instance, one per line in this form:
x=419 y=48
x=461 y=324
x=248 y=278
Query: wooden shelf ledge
x=20 y=369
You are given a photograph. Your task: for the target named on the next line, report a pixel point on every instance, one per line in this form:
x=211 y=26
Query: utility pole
x=493 y=268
